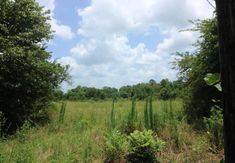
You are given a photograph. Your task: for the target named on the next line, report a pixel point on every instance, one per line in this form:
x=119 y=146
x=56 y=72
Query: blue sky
x=121 y=42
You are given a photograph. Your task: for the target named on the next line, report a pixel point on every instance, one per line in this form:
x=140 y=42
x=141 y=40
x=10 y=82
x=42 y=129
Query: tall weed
x=146 y=114
x=112 y=116
x=62 y=112
x=130 y=123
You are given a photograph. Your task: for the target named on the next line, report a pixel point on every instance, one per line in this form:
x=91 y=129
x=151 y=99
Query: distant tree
x=165 y=83
x=152 y=82
x=164 y=94
x=226 y=23
x=71 y=95
x=27 y=74
x=178 y=87
x=109 y=92
x=141 y=91
x=125 y=91
x=169 y=90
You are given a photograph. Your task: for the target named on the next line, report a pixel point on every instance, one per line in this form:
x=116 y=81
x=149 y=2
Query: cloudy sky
x=121 y=42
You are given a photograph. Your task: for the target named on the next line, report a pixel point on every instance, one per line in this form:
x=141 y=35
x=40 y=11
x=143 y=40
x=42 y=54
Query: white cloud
x=105 y=17
x=105 y=55
x=48 y=4
x=177 y=41
x=114 y=62
x=63 y=31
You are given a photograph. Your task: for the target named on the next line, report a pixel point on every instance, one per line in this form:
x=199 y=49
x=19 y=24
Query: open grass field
x=78 y=134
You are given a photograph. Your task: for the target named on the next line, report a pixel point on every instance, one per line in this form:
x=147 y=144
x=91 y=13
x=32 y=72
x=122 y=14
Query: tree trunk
x=226 y=24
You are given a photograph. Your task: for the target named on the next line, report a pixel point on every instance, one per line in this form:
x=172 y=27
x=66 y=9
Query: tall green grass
x=81 y=136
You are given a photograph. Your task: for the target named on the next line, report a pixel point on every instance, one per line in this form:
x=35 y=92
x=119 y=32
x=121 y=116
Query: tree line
x=164 y=90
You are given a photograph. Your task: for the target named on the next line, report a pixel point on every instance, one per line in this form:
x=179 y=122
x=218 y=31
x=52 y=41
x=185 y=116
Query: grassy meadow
x=77 y=132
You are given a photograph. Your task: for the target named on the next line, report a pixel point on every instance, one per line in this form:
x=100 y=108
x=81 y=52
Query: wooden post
x=226 y=23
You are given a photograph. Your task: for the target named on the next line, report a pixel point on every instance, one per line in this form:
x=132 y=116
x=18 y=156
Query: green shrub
x=115 y=146
x=143 y=146
x=214 y=126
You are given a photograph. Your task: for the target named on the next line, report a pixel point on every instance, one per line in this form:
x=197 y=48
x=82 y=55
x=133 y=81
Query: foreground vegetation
x=83 y=132
x=96 y=130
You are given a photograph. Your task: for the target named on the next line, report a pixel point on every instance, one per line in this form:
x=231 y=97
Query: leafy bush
x=115 y=146
x=214 y=125
x=143 y=146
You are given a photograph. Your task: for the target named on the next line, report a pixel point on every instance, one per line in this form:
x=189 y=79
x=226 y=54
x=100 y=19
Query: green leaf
x=212 y=79
x=218 y=86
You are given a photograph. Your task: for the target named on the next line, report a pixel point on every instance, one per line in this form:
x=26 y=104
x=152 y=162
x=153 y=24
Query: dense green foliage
x=194 y=67
x=164 y=90
x=115 y=146
x=139 y=146
x=143 y=146
x=90 y=93
x=27 y=76
x=214 y=126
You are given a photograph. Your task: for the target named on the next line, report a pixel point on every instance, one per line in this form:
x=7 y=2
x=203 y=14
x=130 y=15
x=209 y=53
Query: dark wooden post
x=226 y=23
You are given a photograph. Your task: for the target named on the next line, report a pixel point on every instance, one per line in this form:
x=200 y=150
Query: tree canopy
x=27 y=74
x=195 y=66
